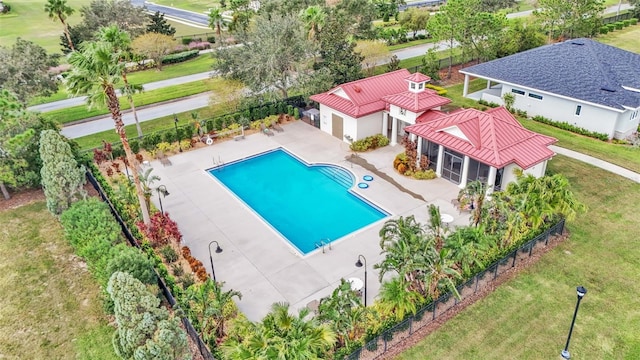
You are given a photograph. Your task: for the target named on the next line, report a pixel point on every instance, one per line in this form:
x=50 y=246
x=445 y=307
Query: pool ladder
x=220 y=163
x=322 y=244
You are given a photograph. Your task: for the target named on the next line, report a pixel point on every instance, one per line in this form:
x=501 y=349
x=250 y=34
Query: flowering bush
x=161 y=230
x=200 y=45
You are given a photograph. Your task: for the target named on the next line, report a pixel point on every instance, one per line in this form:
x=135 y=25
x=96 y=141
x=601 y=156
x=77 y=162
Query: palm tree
x=208 y=305
x=121 y=43
x=467 y=246
x=476 y=192
x=343 y=311
x=435 y=225
x=441 y=274
x=314 y=18
x=146 y=180
x=281 y=335
x=215 y=20
x=95 y=73
x=396 y=300
x=58 y=9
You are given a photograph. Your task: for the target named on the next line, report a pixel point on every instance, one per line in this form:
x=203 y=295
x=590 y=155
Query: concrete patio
x=256 y=260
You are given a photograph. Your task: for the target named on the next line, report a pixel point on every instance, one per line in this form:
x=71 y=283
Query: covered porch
x=492 y=92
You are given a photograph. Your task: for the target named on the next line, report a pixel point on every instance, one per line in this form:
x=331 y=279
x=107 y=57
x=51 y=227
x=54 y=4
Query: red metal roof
x=418 y=78
x=364 y=97
x=430 y=115
x=493 y=137
x=417 y=101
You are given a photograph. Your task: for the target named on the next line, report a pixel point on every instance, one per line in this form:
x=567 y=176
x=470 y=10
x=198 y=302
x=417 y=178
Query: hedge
x=566 y=126
x=180 y=57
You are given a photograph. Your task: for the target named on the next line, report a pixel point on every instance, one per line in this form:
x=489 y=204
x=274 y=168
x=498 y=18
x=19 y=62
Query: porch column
x=440 y=160
x=394 y=131
x=491 y=180
x=488 y=84
x=465 y=88
x=385 y=123
x=419 y=152
x=465 y=172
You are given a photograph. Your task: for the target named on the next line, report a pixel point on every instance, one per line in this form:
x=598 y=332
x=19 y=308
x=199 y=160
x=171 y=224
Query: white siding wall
x=326 y=122
x=369 y=125
x=627 y=124
x=562 y=110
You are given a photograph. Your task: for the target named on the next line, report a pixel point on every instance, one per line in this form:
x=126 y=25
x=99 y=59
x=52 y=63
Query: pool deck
x=256 y=260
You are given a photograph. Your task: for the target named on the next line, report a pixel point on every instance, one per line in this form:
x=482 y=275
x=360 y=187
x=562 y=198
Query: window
x=516 y=91
x=413 y=85
x=403 y=111
x=420 y=85
x=535 y=96
x=578 y=109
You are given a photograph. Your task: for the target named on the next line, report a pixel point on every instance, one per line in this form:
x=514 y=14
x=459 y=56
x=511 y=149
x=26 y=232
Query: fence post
x=435 y=306
x=477 y=281
x=515 y=254
x=531 y=248
x=495 y=274
x=410 y=325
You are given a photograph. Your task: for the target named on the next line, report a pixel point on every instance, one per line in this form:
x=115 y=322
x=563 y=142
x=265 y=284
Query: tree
x=337 y=54
x=569 y=19
x=394 y=63
x=281 y=335
x=58 y=9
x=78 y=34
x=158 y=24
x=62 y=178
x=96 y=71
x=20 y=161
x=355 y=17
x=414 y=19
x=344 y=312
x=387 y=9
x=145 y=330
x=154 y=46
x=397 y=300
x=132 y=261
x=495 y=5
x=121 y=44
x=102 y=13
x=372 y=52
x=274 y=52
x=242 y=14
x=635 y=11
x=431 y=64
x=445 y=25
x=215 y=20
x=313 y=18
x=520 y=36
x=25 y=70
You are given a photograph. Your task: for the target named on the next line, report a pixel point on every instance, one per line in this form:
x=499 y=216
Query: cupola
x=417 y=82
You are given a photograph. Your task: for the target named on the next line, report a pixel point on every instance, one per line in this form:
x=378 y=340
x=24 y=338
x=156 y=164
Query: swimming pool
x=305 y=203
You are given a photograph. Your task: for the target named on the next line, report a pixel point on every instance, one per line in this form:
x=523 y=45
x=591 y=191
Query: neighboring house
x=581 y=81
x=462 y=146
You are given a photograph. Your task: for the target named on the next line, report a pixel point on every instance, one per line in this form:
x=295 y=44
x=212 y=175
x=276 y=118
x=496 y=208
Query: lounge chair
x=277 y=127
x=265 y=130
x=164 y=160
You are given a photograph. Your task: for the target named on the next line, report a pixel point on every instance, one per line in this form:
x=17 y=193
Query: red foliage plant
x=139 y=158
x=161 y=230
x=109 y=172
x=99 y=156
x=116 y=167
x=186 y=252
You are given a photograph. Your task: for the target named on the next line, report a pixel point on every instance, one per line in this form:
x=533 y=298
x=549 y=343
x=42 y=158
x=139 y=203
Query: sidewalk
x=597 y=163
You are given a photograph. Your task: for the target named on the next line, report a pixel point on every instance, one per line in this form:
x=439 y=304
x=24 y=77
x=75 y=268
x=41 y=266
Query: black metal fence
x=616 y=18
x=380 y=344
x=191 y=331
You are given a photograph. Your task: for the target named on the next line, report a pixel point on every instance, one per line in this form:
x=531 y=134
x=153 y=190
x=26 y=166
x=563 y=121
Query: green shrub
x=135 y=146
x=133 y=261
x=150 y=141
x=626 y=23
x=180 y=57
x=370 y=142
x=186 y=40
x=422 y=174
x=296 y=113
x=633 y=21
x=611 y=27
x=210 y=125
x=211 y=39
x=572 y=128
x=604 y=30
x=619 y=25
x=439 y=89
x=290 y=110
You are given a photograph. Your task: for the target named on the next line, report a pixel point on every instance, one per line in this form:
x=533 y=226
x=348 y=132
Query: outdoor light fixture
x=581 y=293
x=359 y=264
x=162 y=190
x=175 y=122
x=218 y=251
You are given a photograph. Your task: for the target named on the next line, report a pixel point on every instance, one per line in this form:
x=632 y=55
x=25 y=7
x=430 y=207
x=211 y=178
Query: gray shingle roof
x=582 y=69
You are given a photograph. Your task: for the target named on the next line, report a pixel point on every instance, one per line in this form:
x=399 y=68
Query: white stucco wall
x=369 y=125
x=409 y=117
x=326 y=114
x=508 y=175
x=591 y=117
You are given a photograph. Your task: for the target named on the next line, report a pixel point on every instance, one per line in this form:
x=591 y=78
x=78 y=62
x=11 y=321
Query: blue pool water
x=305 y=204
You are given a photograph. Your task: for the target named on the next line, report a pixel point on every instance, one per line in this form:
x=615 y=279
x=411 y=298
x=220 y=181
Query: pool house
x=462 y=146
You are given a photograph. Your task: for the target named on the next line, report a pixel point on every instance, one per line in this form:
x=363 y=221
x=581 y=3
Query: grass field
x=51 y=306
x=199 y=6
x=29 y=21
x=627 y=38
x=529 y=317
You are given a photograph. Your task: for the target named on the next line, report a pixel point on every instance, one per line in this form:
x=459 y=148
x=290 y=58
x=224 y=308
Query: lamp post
x=175 y=123
x=218 y=251
x=162 y=190
x=581 y=293
x=359 y=264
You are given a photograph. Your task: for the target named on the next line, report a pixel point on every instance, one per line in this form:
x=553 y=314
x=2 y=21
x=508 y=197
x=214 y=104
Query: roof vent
x=357 y=88
x=608 y=89
x=577 y=42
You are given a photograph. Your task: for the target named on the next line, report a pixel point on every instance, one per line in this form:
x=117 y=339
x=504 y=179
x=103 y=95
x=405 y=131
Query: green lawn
x=29 y=21
x=529 y=316
x=627 y=38
x=51 y=306
x=199 y=6
x=67 y=115
x=410 y=44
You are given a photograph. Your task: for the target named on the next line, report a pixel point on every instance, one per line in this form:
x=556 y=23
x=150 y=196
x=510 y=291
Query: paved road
x=145 y=114
x=150 y=86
